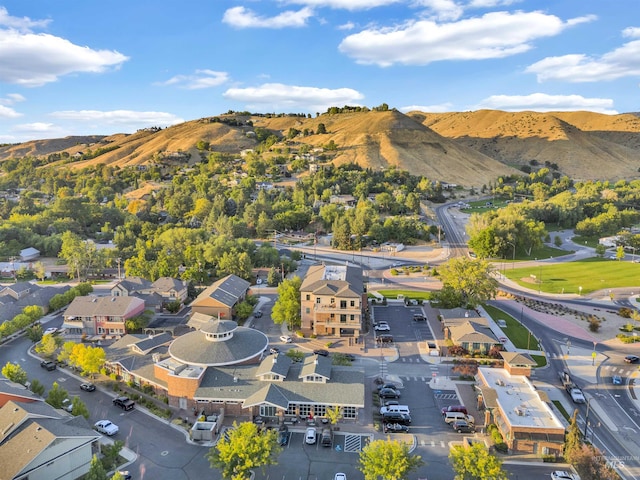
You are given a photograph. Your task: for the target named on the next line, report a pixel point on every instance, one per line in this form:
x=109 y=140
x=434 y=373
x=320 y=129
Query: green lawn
x=591 y=274
x=517 y=333
x=413 y=294
x=562 y=410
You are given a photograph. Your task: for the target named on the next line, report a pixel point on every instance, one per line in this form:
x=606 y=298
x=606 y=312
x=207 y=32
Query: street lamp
x=514 y=255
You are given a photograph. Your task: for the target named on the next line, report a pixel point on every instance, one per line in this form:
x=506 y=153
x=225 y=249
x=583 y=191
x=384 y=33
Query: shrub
x=594 y=324
x=624 y=312
x=457 y=350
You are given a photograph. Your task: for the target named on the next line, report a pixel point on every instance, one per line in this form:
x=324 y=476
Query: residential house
x=28 y=254
x=92 y=315
x=13 y=298
x=15 y=392
x=220 y=299
x=38 y=442
x=170 y=289
x=333 y=301
x=472 y=334
x=222 y=367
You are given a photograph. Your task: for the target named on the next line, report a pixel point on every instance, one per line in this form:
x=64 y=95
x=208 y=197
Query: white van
x=451 y=417
x=395 y=409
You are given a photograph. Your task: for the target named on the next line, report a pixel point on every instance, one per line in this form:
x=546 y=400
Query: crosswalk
x=354 y=443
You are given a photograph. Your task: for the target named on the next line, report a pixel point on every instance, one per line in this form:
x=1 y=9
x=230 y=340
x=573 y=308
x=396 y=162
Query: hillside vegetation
x=466 y=148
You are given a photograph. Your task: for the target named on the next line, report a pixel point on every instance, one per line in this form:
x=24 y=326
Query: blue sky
x=79 y=68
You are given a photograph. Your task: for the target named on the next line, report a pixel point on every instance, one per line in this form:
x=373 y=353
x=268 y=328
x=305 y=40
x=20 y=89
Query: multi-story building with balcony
x=333 y=301
x=92 y=315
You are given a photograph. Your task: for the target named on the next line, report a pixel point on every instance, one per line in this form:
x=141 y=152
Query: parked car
x=285 y=339
x=48 y=365
x=396 y=417
x=462 y=426
x=631 y=358
x=340 y=476
x=283 y=435
x=274 y=350
x=125 y=474
x=257 y=314
x=50 y=331
x=389 y=393
x=382 y=327
x=454 y=408
x=395 y=428
x=310 y=436
x=389 y=403
x=67 y=405
x=419 y=318
x=563 y=475
x=87 y=387
x=617 y=380
x=106 y=427
x=124 y=403
x=387 y=385
x=321 y=352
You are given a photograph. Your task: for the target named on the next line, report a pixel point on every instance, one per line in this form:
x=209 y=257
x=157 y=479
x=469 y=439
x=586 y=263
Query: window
x=343 y=304
x=307 y=310
x=333 y=315
x=308 y=297
x=352 y=303
x=267 y=411
x=349 y=412
x=333 y=301
x=317 y=299
x=343 y=319
x=352 y=317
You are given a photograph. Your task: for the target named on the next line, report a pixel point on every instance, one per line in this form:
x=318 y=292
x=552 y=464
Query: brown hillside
x=580 y=143
x=36 y=148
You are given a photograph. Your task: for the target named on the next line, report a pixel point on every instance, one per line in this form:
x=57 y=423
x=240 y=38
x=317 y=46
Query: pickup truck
x=124 y=403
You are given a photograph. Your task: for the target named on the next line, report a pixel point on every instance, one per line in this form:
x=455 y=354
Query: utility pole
x=118 y=260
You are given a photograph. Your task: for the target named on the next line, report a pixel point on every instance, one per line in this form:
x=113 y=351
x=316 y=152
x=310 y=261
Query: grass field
x=517 y=333
x=591 y=274
x=412 y=294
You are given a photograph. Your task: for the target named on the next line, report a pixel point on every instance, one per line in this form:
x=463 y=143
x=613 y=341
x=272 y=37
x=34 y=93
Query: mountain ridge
x=467 y=148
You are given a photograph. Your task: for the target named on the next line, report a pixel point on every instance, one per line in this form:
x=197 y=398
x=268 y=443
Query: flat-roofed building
x=526 y=422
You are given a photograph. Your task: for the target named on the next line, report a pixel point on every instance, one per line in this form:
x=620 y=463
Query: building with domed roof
x=220 y=366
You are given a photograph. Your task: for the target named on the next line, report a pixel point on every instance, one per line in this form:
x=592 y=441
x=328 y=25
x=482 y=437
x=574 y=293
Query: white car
x=50 y=331
x=106 y=427
x=340 y=476
x=285 y=339
x=382 y=327
x=310 y=437
x=562 y=475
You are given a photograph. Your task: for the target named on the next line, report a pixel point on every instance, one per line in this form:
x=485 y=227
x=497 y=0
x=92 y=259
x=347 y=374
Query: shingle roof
x=15 y=389
x=269 y=394
x=473 y=333
x=276 y=364
x=337 y=280
x=227 y=290
x=316 y=365
x=345 y=388
x=165 y=284
x=518 y=359
x=90 y=306
x=194 y=348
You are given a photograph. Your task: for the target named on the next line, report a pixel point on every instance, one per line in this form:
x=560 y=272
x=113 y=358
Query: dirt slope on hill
x=580 y=143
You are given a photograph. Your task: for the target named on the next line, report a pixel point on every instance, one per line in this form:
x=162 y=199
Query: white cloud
x=200 y=79
x=441 y=9
x=278 y=95
x=493 y=35
x=633 y=32
x=23 y=24
x=344 y=4
x=347 y=26
x=440 y=108
x=36 y=127
x=32 y=60
x=119 y=117
x=621 y=62
x=6 y=102
x=542 y=102
x=241 y=17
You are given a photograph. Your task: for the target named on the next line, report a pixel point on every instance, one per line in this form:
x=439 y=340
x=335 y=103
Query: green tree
x=321 y=129
x=475 y=463
x=471 y=278
x=79 y=408
x=387 y=459
x=111 y=453
x=37 y=387
x=34 y=333
x=15 y=373
x=48 y=345
x=287 y=307
x=56 y=396
x=573 y=439
x=96 y=470
x=245 y=448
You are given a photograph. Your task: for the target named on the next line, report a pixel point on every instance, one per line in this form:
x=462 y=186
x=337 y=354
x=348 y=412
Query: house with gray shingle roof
x=92 y=315
x=220 y=299
x=14 y=298
x=332 y=301
x=472 y=335
x=11 y=391
x=170 y=289
x=39 y=442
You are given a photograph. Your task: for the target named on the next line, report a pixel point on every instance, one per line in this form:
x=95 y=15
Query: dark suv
x=48 y=364
x=396 y=417
x=124 y=403
x=389 y=393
